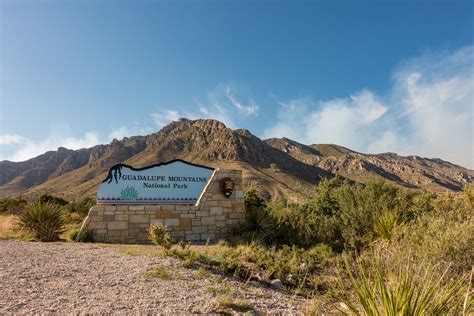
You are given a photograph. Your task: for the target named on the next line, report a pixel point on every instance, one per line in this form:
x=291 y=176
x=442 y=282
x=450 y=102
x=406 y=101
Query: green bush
x=160 y=236
x=87 y=236
x=258 y=222
x=47 y=198
x=80 y=207
x=44 y=220
x=7 y=204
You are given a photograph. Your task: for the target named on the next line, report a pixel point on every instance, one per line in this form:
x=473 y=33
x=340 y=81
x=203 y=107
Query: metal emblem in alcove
x=227 y=186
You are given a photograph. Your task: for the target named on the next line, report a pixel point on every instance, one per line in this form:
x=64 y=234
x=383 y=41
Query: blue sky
x=374 y=76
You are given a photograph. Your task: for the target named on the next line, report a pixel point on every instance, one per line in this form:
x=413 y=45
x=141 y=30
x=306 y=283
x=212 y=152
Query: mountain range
x=277 y=166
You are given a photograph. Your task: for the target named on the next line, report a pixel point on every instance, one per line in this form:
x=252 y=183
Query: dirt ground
x=97 y=278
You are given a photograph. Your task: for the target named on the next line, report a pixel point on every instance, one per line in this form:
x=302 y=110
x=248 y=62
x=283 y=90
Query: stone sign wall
x=212 y=217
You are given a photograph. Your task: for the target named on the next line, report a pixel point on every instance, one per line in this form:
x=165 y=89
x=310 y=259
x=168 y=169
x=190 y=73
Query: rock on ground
x=97 y=278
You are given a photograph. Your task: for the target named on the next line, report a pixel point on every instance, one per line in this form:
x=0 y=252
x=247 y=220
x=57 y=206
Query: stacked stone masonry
x=211 y=218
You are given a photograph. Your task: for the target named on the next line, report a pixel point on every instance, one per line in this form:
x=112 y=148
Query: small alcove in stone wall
x=210 y=215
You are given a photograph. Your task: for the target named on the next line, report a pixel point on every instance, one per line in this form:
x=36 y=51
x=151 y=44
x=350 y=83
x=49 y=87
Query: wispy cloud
x=428 y=112
x=10 y=139
x=164 y=117
x=222 y=103
x=25 y=148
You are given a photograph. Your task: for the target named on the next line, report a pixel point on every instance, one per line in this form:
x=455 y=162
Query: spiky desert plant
x=406 y=290
x=44 y=220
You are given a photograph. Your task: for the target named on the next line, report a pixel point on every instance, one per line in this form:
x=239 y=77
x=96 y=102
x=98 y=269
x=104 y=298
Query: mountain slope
x=274 y=166
x=412 y=171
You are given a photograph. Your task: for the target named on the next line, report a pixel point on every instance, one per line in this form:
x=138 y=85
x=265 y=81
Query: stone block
x=183 y=207
x=188 y=216
x=117 y=225
x=139 y=219
x=109 y=218
x=235 y=215
x=110 y=208
x=239 y=194
x=202 y=213
x=121 y=217
x=136 y=207
x=101 y=231
x=208 y=220
x=196 y=222
x=122 y=207
x=157 y=221
x=193 y=237
x=216 y=210
x=140 y=212
x=172 y=222
x=185 y=223
x=226 y=203
x=220 y=223
x=199 y=229
x=97 y=225
x=164 y=214
x=177 y=234
x=97 y=218
x=207 y=236
x=152 y=207
x=114 y=233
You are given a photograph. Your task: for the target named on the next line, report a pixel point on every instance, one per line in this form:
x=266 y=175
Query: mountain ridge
x=275 y=166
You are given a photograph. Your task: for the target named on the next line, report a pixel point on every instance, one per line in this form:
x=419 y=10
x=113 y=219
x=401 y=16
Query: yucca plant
x=385 y=223
x=408 y=290
x=44 y=220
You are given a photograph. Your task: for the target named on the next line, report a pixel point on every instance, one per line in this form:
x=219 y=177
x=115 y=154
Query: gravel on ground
x=83 y=278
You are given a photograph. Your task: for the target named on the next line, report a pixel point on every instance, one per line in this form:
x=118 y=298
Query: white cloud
x=221 y=104
x=9 y=139
x=125 y=131
x=29 y=148
x=348 y=122
x=244 y=110
x=165 y=117
x=428 y=112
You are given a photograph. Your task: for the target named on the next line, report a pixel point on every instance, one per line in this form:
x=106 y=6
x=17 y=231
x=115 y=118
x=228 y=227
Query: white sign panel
x=176 y=181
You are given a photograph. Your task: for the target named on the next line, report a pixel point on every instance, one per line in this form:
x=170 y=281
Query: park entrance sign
x=173 y=182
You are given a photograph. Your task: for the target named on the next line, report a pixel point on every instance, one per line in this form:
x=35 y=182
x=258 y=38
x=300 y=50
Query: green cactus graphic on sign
x=129 y=193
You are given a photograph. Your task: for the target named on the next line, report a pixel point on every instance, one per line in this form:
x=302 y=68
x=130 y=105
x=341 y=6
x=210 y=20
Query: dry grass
x=10 y=230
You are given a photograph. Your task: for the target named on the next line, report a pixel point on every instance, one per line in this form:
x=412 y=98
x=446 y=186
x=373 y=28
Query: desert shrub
x=80 y=206
x=44 y=220
x=7 y=204
x=400 y=289
x=443 y=236
x=87 y=236
x=258 y=222
x=47 y=198
x=72 y=234
x=159 y=235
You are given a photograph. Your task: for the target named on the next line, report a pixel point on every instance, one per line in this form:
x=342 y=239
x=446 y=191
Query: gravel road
x=96 y=278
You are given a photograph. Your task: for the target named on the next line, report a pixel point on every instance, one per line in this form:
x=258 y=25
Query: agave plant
x=44 y=220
